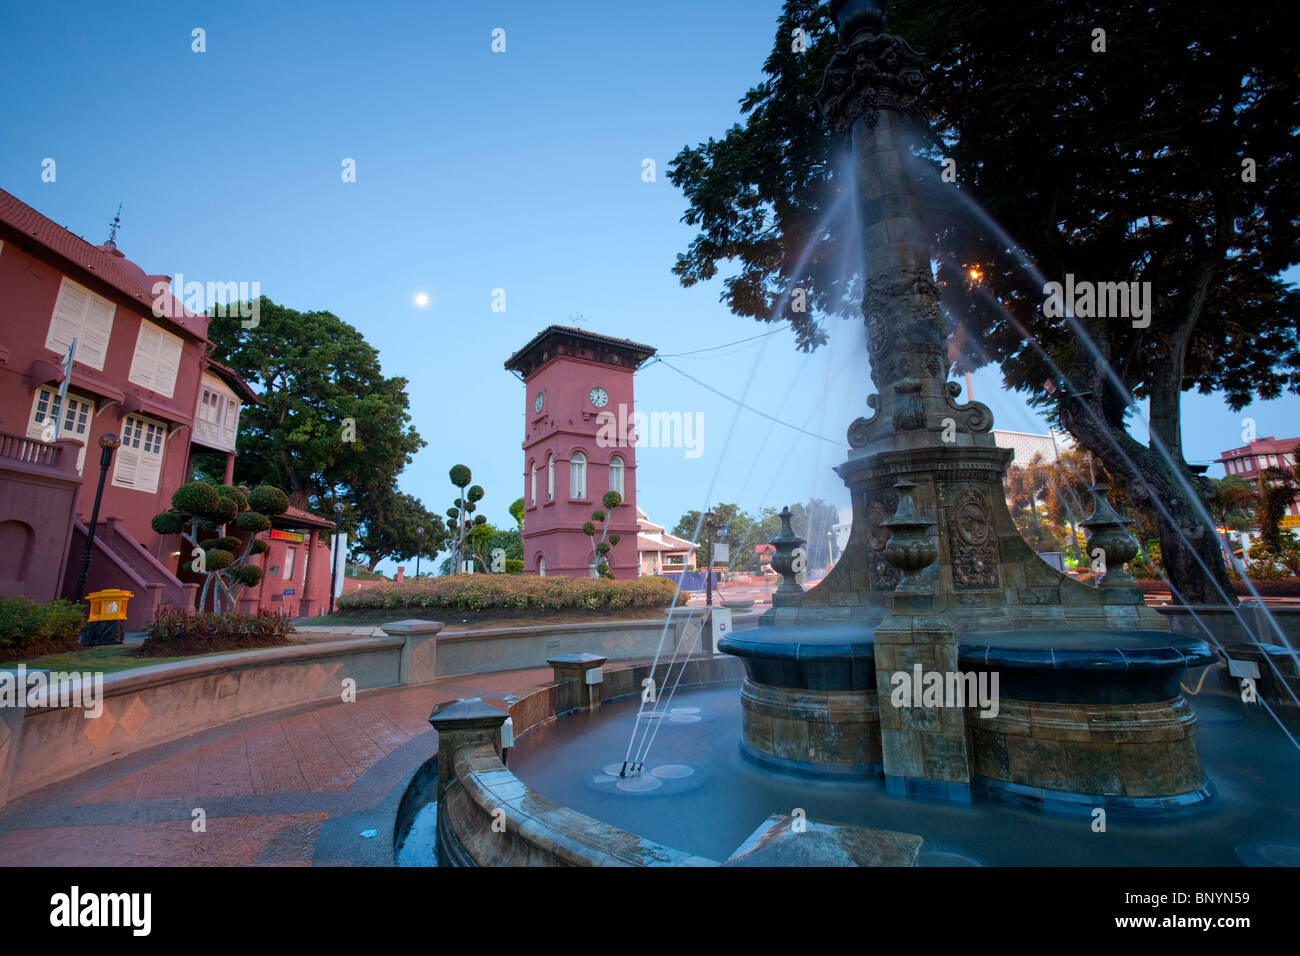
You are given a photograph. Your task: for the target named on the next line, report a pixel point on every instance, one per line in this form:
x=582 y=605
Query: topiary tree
x=459 y=523
x=222 y=559
x=600 y=549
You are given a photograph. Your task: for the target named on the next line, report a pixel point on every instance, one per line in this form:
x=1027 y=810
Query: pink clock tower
x=578 y=444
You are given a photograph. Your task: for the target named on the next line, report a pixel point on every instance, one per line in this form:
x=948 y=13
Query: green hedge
x=478 y=592
x=24 y=622
x=185 y=630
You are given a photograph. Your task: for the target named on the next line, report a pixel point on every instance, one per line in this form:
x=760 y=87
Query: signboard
x=721 y=553
x=279 y=535
x=287 y=591
x=1291 y=521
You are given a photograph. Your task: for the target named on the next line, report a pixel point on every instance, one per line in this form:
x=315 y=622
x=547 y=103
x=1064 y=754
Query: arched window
x=578 y=475
x=541 y=566
x=532 y=482
x=616 y=474
x=550 y=477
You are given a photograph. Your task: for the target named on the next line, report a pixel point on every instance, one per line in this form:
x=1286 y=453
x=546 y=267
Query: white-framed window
x=550 y=477
x=157 y=359
x=541 y=566
x=80 y=314
x=217 y=417
x=139 y=459
x=578 y=475
x=616 y=474
x=591 y=566
x=74 y=422
x=289 y=555
x=532 y=482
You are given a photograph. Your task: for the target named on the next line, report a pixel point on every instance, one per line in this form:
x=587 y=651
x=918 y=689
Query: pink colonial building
x=1248 y=461
x=578 y=444
x=145 y=378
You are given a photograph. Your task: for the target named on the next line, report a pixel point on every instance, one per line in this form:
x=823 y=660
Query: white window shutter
x=169 y=362
x=149 y=471
x=128 y=466
x=97 y=328
x=65 y=323
x=231 y=424
x=145 y=360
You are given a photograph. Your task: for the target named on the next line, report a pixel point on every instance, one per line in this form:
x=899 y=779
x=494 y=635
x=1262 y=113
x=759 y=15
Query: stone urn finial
x=789 y=558
x=855 y=19
x=1108 y=533
x=909 y=548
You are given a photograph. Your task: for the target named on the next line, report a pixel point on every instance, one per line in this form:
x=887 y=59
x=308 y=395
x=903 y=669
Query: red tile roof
x=234 y=380
x=297 y=518
x=1262 y=446
x=105 y=262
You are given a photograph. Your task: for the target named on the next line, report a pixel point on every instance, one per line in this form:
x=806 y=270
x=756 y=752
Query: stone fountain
x=935 y=574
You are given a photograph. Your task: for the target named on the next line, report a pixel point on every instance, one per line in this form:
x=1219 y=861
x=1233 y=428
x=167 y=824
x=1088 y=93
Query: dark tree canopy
x=331 y=425
x=1169 y=158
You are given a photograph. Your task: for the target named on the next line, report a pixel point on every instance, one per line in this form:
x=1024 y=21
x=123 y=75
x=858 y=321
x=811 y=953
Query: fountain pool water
x=712 y=808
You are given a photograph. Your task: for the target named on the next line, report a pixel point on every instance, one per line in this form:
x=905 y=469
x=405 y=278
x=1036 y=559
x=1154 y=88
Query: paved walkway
x=316 y=785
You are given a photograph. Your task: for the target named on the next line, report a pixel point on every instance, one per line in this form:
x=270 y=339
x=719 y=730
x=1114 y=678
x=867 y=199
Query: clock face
x=599 y=397
x=538 y=402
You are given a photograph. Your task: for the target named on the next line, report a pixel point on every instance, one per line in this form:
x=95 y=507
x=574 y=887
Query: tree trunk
x=1183 y=535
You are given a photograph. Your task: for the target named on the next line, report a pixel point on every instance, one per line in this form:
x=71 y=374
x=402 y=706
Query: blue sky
x=474 y=171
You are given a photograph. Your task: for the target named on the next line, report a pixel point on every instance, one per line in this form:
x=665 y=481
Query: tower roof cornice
x=557 y=340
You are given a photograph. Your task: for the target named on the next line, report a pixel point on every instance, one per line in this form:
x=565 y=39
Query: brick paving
x=314 y=785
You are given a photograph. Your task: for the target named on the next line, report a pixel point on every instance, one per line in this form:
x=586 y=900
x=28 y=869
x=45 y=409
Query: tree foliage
x=1123 y=166
x=222 y=561
x=461 y=520
x=392 y=529
x=331 y=426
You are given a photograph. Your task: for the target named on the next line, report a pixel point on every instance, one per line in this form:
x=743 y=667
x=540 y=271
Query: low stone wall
x=160 y=703
x=154 y=705
x=515 y=648
x=488 y=817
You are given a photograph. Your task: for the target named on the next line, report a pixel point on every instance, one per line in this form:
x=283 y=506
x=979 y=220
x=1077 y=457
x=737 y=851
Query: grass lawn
x=493 y=617
x=113 y=658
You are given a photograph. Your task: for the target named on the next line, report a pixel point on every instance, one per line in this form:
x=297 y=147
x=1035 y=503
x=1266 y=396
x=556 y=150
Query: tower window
x=616 y=474
x=550 y=477
x=578 y=475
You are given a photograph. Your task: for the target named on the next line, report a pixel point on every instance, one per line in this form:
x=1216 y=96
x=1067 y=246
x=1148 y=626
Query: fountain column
x=985 y=577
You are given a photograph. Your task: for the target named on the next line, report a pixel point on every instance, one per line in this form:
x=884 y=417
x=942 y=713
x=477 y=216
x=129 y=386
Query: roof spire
x=112 y=234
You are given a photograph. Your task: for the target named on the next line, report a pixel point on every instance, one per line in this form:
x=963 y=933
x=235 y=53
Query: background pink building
x=143 y=377
x=576 y=383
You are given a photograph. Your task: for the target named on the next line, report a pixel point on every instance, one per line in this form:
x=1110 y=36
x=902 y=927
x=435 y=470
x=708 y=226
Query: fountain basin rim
x=1087 y=650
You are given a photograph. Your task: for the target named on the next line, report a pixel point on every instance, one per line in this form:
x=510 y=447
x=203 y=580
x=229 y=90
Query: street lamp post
x=334 y=557
x=420 y=532
x=710 y=520
x=107 y=443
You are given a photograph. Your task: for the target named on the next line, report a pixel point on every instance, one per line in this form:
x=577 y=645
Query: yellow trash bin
x=109 y=604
